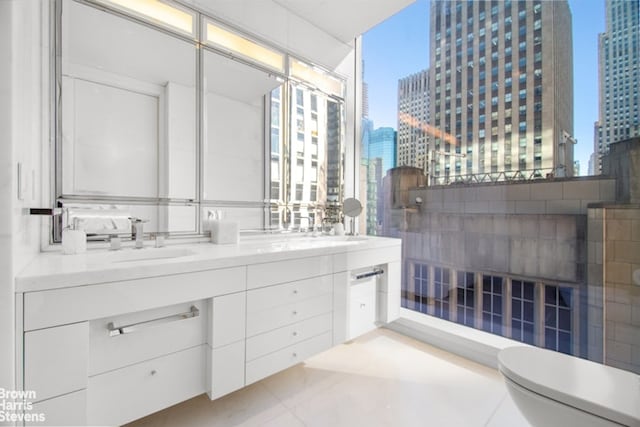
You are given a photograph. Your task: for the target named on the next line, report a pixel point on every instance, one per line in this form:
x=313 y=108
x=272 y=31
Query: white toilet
x=554 y=389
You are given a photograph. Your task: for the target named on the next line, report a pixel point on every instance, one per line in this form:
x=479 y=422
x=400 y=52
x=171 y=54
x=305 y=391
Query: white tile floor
x=380 y=379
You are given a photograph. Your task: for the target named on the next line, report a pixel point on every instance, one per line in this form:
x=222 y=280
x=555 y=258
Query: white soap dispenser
x=74 y=240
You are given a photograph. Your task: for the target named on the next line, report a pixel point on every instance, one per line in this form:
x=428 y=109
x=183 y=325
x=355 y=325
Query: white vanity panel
x=226 y=369
x=228 y=319
x=69 y=305
x=259 y=275
x=55 y=360
x=366 y=258
x=390 y=294
x=340 y=309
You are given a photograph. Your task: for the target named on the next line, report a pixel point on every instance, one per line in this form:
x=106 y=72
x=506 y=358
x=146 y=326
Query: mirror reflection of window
x=233 y=129
x=128 y=108
x=313 y=183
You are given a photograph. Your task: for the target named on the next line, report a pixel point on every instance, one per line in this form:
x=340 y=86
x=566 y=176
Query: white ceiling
x=344 y=19
x=318 y=30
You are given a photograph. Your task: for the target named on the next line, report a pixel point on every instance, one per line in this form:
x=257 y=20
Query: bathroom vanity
x=105 y=338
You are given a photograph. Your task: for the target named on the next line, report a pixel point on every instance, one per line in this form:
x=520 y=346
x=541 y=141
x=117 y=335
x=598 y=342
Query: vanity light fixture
x=315 y=76
x=158 y=11
x=236 y=44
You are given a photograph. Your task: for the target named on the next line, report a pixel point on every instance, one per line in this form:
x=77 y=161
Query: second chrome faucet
x=137 y=231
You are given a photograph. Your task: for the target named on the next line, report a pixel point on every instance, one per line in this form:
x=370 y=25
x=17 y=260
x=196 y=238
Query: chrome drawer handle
x=126 y=329
x=374 y=272
x=295 y=334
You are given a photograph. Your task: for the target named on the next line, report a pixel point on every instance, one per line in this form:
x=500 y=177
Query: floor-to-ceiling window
x=479 y=150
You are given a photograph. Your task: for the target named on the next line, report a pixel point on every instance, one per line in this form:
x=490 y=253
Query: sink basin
x=132 y=255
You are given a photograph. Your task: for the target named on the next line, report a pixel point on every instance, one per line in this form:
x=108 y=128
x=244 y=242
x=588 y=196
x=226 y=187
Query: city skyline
x=619 y=74
x=389 y=52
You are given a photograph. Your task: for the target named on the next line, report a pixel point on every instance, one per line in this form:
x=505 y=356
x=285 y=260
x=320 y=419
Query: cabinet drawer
x=267 y=320
x=153 y=333
x=55 y=360
x=272 y=273
x=67 y=410
x=274 y=296
x=289 y=356
x=362 y=307
x=269 y=342
x=121 y=396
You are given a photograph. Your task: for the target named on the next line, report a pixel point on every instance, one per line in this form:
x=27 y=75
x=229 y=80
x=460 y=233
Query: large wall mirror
x=152 y=123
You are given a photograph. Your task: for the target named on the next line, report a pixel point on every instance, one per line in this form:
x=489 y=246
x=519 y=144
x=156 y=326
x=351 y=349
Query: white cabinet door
x=390 y=293
x=67 y=410
x=228 y=319
x=55 y=360
x=362 y=307
x=340 y=307
x=226 y=369
x=225 y=366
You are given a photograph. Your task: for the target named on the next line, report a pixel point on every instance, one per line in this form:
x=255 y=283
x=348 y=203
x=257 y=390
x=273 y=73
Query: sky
x=399 y=47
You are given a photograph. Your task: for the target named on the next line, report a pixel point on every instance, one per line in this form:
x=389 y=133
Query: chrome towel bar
x=126 y=329
x=374 y=272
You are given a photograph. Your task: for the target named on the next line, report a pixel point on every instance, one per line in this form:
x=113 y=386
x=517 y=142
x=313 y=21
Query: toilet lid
x=608 y=392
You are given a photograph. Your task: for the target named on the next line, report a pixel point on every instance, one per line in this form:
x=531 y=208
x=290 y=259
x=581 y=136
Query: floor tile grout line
x=495 y=410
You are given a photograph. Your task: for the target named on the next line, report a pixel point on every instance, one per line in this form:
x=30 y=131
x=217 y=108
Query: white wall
x=23 y=132
x=6 y=183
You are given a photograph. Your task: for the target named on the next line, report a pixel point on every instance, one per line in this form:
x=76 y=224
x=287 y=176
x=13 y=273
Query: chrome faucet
x=137 y=231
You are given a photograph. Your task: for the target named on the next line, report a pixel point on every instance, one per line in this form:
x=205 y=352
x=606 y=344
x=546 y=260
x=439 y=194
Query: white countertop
x=53 y=270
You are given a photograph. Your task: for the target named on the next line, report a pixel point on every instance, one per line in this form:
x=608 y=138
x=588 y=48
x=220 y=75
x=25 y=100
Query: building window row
x=529 y=311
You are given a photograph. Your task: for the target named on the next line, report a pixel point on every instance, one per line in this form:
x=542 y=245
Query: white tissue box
x=224 y=232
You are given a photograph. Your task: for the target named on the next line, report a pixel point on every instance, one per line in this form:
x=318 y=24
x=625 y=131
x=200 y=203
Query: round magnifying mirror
x=352 y=207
